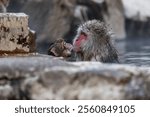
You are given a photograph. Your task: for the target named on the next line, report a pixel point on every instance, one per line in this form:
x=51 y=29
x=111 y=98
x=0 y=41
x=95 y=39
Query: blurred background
x=129 y=20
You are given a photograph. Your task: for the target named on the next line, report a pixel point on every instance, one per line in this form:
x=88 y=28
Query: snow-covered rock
x=15 y=35
x=45 y=77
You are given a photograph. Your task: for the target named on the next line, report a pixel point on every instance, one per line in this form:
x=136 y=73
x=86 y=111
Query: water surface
x=134 y=51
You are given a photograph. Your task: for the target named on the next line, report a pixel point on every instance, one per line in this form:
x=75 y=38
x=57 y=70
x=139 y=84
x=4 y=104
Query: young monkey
x=93 y=43
x=60 y=49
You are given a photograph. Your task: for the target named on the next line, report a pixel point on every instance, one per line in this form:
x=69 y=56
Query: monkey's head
x=60 y=48
x=90 y=33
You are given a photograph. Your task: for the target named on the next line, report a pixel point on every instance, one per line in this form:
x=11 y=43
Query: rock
x=46 y=77
x=15 y=34
x=115 y=18
x=59 y=19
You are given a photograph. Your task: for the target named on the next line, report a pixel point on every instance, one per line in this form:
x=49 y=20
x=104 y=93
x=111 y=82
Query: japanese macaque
x=93 y=43
x=3 y=6
x=60 y=49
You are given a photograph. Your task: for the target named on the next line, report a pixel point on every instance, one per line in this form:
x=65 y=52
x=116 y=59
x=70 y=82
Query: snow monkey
x=60 y=49
x=93 y=43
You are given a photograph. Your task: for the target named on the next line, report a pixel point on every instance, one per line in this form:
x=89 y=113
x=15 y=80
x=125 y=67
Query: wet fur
x=60 y=49
x=98 y=46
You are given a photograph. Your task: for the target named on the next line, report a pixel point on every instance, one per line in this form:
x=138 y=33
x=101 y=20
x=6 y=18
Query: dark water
x=134 y=51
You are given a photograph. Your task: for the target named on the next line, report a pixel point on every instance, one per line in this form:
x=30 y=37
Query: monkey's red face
x=78 y=42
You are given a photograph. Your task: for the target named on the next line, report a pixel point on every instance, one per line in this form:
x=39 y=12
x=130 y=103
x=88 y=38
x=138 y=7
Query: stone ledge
x=45 y=77
x=15 y=35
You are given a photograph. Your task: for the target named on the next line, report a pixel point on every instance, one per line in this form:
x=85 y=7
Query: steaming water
x=134 y=51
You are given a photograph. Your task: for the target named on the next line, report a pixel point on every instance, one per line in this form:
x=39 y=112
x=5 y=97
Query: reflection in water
x=134 y=51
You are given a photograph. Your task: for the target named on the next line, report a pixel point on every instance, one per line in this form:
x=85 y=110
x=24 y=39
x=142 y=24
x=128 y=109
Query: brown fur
x=60 y=49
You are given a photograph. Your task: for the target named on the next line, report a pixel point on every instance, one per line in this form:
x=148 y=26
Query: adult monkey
x=93 y=43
